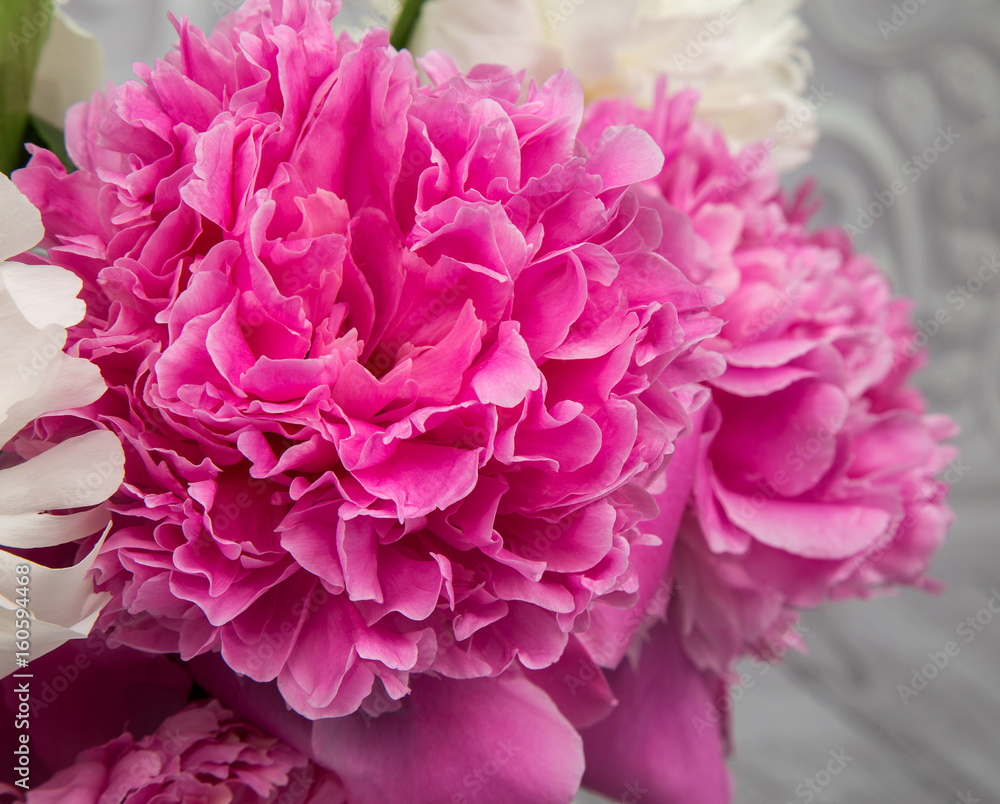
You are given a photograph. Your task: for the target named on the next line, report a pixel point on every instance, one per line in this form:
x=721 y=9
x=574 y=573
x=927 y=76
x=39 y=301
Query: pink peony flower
x=394 y=363
x=817 y=479
x=202 y=753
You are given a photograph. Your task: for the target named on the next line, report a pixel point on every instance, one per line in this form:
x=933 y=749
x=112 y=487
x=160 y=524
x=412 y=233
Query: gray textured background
x=892 y=89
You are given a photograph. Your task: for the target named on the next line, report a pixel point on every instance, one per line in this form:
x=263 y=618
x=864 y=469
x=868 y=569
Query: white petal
x=45 y=294
x=37 y=302
x=77 y=473
x=37 y=378
x=511 y=32
x=20 y=223
x=26 y=356
x=745 y=58
x=62 y=604
x=62 y=383
x=70 y=69
x=31 y=530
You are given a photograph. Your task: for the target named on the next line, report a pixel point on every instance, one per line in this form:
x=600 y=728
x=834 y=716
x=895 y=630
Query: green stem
x=24 y=26
x=405 y=23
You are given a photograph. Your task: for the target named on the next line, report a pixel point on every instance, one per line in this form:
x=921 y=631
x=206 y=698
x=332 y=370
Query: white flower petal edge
x=83 y=471
x=71 y=67
x=63 y=605
x=37 y=303
x=744 y=56
x=20 y=223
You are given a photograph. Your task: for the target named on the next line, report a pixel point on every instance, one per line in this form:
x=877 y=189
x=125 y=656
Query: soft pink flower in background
x=73 y=708
x=145 y=743
x=818 y=474
x=202 y=753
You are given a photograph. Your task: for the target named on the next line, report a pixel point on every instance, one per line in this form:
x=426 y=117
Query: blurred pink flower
x=817 y=478
x=202 y=753
x=394 y=363
x=139 y=743
x=84 y=694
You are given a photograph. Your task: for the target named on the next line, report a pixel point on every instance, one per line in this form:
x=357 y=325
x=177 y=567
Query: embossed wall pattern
x=909 y=155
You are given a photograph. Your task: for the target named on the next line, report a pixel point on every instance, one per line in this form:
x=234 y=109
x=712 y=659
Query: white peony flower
x=70 y=69
x=358 y=16
x=37 y=303
x=744 y=56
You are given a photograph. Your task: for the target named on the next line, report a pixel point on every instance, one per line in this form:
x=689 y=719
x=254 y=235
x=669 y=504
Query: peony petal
x=82 y=471
x=71 y=717
x=663 y=737
x=33 y=530
x=516 y=746
x=44 y=294
x=785 y=441
x=626 y=156
x=61 y=602
x=508 y=373
x=809 y=529
x=20 y=222
x=612 y=629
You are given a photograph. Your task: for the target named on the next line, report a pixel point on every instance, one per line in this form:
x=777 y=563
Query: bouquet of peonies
x=388 y=429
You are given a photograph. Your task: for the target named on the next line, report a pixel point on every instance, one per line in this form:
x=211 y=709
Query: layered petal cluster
x=202 y=753
x=744 y=56
x=817 y=477
x=38 y=486
x=394 y=362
